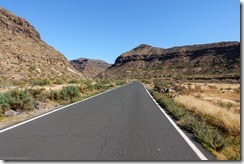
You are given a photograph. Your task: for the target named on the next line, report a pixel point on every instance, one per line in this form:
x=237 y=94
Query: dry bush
x=82 y=88
x=212 y=87
x=179 y=88
x=209 y=136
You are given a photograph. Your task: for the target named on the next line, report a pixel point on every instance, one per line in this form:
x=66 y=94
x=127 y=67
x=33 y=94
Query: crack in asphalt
x=101 y=147
x=104 y=138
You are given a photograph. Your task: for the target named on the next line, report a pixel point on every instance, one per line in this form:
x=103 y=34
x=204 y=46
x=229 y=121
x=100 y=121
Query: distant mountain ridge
x=24 y=56
x=204 y=60
x=89 y=67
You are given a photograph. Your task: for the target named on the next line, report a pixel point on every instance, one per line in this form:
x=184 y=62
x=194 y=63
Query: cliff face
x=24 y=56
x=17 y=25
x=205 y=60
x=89 y=67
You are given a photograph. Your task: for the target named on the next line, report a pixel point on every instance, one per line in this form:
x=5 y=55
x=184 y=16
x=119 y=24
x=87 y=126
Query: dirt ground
x=43 y=108
x=51 y=87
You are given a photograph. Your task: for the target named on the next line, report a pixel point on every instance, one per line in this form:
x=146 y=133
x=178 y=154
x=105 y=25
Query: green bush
x=20 y=100
x=68 y=93
x=40 y=82
x=209 y=137
x=89 y=85
x=4 y=103
x=73 y=81
x=54 y=95
x=120 y=82
x=39 y=94
x=58 y=82
x=99 y=86
x=146 y=81
x=107 y=81
x=36 y=93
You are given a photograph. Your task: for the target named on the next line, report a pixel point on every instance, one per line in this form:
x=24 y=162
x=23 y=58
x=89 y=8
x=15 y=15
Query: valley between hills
x=198 y=85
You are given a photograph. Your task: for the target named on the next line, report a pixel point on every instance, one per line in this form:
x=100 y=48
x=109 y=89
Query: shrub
x=41 y=82
x=69 y=93
x=100 y=85
x=197 y=87
x=89 y=86
x=36 y=93
x=146 y=81
x=206 y=134
x=212 y=87
x=4 y=103
x=54 y=95
x=120 y=82
x=107 y=81
x=58 y=81
x=82 y=88
x=179 y=88
x=20 y=100
x=158 y=84
x=73 y=81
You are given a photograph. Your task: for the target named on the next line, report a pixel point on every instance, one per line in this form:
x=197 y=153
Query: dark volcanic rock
x=89 y=67
x=213 y=60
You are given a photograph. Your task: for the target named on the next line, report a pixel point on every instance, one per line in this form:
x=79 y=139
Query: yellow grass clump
x=214 y=114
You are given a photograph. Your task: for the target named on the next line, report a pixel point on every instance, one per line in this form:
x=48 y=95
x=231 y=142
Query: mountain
x=89 y=67
x=216 y=60
x=24 y=56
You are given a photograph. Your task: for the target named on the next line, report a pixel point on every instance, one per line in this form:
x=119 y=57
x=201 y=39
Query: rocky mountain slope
x=217 y=60
x=24 y=56
x=89 y=67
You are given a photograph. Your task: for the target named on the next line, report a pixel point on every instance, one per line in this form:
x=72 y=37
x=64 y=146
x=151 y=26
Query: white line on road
x=188 y=141
x=32 y=119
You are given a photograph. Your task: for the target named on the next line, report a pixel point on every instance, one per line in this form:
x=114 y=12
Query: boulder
x=10 y=113
x=171 y=90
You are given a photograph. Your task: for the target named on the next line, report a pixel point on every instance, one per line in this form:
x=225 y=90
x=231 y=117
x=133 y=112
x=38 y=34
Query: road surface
x=123 y=124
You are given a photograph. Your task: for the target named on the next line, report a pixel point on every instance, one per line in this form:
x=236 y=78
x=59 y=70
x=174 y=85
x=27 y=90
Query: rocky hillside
x=217 y=60
x=89 y=67
x=24 y=56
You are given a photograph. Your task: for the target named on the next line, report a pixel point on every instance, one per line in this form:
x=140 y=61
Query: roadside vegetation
x=210 y=111
x=15 y=100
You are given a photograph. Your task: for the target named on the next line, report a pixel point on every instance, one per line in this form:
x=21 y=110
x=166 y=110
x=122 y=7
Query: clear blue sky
x=104 y=29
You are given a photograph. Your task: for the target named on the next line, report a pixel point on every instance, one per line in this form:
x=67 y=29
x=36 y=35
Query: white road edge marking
x=188 y=141
x=42 y=115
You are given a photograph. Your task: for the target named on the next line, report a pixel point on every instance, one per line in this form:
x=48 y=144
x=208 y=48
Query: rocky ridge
x=216 y=60
x=24 y=56
x=89 y=67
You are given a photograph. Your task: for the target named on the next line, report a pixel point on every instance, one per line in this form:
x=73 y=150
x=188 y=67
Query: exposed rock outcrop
x=24 y=56
x=89 y=67
x=205 y=60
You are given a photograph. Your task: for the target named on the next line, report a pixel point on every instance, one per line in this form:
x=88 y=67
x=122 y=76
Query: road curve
x=123 y=124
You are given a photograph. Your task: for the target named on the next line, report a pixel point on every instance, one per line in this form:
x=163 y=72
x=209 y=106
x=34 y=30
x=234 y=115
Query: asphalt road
x=123 y=124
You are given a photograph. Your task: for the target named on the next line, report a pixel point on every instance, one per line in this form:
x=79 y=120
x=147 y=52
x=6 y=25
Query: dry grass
x=219 y=107
x=223 y=95
x=216 y=115
x=219 y=104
